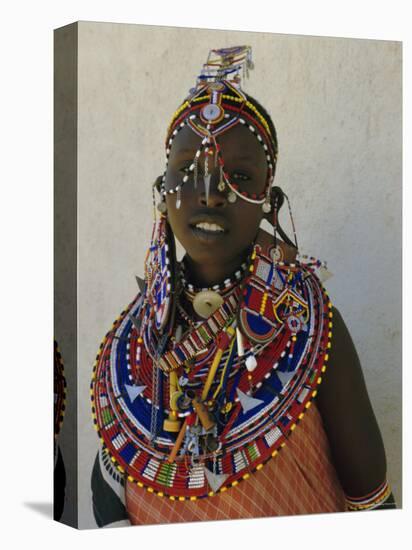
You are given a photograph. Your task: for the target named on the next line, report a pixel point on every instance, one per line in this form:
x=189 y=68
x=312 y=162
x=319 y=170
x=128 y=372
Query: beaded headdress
x=216 y=104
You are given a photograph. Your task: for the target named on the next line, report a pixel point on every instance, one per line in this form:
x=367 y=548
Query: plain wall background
x=336 y=104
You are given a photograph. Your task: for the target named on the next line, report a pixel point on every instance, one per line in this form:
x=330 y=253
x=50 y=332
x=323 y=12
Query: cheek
x=248 y=219
x=172 y=211
x=250 y=213
x=177 y=217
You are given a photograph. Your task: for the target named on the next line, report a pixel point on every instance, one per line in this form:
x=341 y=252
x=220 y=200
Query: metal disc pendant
x=161 y=206
x=294 y=324
x=276 y=254
x=206 y=303
x=212 y=113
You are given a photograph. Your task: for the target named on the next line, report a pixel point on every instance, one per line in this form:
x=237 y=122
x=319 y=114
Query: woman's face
x=232 y=227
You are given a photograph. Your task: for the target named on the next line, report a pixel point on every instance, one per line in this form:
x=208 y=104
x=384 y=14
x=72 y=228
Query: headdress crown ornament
x=226 y=64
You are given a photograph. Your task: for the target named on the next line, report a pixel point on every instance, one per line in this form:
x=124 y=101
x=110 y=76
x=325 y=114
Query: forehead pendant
x=212 y=113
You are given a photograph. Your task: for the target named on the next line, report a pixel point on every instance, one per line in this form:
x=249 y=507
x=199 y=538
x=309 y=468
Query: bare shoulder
x=348 y=417
x=344 y=373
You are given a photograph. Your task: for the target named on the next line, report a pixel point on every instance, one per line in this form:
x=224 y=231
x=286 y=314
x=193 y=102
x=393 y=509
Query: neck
x=210 y=274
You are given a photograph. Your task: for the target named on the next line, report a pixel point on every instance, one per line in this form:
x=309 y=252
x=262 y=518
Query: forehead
x=238 y=143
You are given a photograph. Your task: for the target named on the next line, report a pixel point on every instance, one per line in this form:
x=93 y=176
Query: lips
x=210 y=227
x=207 y=227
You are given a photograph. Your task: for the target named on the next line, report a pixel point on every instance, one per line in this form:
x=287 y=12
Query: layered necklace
x=191 y=411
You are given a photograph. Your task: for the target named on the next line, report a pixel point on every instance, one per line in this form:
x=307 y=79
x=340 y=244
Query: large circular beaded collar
x=152 y=413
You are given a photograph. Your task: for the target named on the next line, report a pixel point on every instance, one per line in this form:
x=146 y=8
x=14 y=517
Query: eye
x=185 y=169
x=240 y=176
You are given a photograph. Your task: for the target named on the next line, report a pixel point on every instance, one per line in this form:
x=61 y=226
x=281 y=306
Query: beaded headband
x=216 y=104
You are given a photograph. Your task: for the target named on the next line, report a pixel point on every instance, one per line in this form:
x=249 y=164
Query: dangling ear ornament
x=231 y=197
x=161 y=206
x=159 y=187
x=267 y=205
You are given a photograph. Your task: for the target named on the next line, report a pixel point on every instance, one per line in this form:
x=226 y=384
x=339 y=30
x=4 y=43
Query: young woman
x=203 y=390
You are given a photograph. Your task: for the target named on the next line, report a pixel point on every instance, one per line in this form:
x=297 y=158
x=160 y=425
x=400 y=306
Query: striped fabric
x=299 y=480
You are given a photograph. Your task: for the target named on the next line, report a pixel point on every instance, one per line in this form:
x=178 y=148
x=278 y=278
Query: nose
x=209 y=195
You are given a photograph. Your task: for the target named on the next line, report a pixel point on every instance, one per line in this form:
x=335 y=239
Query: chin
x=209 y=255
x=225 y=254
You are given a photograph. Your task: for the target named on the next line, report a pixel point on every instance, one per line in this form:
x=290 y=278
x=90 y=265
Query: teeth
x=210 y=227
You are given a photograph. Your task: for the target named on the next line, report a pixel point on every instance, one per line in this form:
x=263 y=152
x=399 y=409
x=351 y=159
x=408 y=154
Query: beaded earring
x=158 y=274
x=160 y=264
x=161 y=205
x=267 y=206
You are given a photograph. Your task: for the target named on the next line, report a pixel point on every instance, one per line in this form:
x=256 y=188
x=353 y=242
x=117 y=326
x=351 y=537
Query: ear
x=157 y=183
x=277 y=196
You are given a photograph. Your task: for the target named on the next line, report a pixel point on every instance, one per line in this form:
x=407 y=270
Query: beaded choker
x=216 y=403
x=225 y=285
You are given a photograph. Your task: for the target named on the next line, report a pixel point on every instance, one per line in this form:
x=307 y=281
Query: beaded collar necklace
x=222 y=400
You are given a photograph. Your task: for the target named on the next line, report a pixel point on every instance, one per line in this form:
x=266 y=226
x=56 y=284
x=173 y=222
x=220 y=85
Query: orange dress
x=301 y=479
